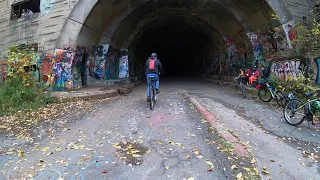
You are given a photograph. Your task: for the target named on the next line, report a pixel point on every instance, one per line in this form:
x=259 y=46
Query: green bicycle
x=295 y=111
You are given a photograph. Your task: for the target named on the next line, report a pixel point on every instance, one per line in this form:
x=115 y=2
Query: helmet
x=154 y=55
x=316 y=106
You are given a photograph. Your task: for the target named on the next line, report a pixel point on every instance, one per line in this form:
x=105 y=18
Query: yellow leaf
x=256 y=171
x=191 y=178
x=239 y=176
x=253 y=161
x=200 y=157
x=44 y=149
x=229 y=158
x=247 y=169
x=58 y=149
x=116 y=144
x=167 y=167
x=159 y=142
x=265 y=171
x=209 y=163
x=234 y=167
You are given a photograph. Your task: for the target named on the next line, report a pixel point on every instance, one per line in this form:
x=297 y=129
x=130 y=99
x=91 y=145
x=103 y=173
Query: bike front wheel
x=244 y=91
x=280 y=98
x=265 y=95
x=294 y=112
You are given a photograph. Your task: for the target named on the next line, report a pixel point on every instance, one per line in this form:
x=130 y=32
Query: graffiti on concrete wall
x=287 y=69
x=316 y=70
x=123 y=64
x=62 y=70
x=112 y=70
x=291 y=33
x=232 y=50
x=45 y=68
x=46 y=6
x=100 y=61
x=131 y=63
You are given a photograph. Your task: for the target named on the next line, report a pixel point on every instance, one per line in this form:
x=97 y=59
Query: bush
x=15 y=95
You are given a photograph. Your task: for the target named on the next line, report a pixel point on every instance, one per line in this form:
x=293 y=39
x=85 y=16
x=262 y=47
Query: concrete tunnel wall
x=120 y=25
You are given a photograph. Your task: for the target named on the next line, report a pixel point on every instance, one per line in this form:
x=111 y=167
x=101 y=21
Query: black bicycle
x=153 y=92
x=241 y=87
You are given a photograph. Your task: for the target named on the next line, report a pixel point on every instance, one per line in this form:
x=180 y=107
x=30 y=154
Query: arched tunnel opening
x=180 y=47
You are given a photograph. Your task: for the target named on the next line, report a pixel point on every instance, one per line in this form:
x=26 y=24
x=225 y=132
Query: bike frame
x=273 y=94
x=309 y=104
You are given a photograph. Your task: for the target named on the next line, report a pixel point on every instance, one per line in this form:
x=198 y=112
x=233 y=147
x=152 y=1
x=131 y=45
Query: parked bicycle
x=152 y=90
x=241 y=87
x=267 y=93
x=304 y=111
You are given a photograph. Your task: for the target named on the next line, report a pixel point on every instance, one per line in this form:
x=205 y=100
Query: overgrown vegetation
x=21 y=90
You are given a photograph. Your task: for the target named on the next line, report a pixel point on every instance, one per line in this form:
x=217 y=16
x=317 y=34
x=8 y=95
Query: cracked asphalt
x=122 y=139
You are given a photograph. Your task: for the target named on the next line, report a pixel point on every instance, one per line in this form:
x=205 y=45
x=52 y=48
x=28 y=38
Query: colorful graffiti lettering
x=46 y=6
x=123 y=64
x=287 y=70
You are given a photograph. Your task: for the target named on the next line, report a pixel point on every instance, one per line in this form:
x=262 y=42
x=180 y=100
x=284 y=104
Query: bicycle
x=152 y=90
x=266 y=90
x=241 y=87
x=305 y=110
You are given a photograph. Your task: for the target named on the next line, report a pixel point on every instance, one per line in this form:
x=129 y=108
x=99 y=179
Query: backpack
x=152 y=64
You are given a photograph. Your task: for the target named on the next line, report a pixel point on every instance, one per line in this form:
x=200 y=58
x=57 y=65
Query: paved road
x=123 y=139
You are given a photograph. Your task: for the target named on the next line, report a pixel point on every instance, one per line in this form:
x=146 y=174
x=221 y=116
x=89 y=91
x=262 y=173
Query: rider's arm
x=160 y=67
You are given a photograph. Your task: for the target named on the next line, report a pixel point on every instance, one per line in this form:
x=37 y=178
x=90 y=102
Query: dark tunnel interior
x=180 y=47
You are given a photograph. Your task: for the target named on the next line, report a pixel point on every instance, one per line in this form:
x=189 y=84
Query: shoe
x=148 y=99
x=157 y=91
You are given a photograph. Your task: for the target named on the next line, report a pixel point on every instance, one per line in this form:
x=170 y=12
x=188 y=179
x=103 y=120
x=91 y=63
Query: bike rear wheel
x=265 y=95
x=280 y=99
x=292 y=108
x=151 y=98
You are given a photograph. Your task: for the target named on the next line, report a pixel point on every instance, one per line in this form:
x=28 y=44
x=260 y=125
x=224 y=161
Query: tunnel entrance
x=181 y=48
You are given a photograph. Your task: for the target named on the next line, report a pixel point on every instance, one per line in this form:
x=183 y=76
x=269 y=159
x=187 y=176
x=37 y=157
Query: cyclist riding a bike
x=153 y=68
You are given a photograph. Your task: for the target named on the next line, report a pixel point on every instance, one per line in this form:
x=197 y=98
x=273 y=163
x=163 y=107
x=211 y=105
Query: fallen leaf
x=234 y=167
x=265 y=171
x=44 y=149
x=247 y=169
x=159 y=142
x=211 y=168
x=209 y=163
x=200 y=157
x=167 y=167
x=239 y=176
x=104 y=171
x=256 y=171
x=272 y=160
x=229 y=158
x=191 y=178
x=188 y=156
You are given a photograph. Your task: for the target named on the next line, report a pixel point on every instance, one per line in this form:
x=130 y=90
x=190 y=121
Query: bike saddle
x=309 y=94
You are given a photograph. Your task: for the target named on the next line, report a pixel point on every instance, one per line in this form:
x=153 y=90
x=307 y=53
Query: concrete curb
x=239 y=149
x=109 y=94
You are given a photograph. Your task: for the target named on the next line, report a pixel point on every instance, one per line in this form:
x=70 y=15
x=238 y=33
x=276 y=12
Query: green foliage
x=273 y=80
x=15 y=96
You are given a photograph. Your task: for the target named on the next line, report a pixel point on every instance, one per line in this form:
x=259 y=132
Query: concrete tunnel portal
x=183 y=33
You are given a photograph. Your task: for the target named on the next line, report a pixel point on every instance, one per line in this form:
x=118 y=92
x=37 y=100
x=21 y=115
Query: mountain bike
x=241 y=87
x=267 y=93
x=303 y=110
x=152 y=90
